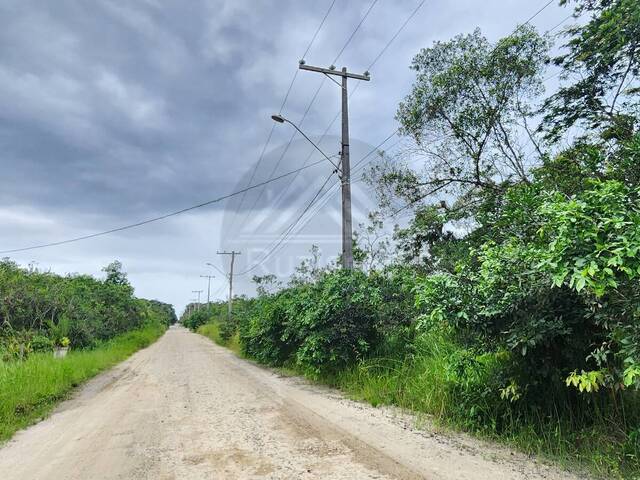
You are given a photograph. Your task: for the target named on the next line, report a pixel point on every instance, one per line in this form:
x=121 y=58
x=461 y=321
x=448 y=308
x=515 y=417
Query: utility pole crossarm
x=347 y=228
x=332 y=71
x=198 y=292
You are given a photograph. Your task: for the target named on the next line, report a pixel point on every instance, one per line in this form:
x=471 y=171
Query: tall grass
x=212 y=331
x=459 y=389
x=429 y=381
x=29 y=389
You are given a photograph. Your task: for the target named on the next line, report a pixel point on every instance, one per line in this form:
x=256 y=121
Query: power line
x=219 y=199
x=308 y=108
x=539 y=11
x=392 y=39
x=373 y=62
x=560 y=23
x=353 y=34
x=271 y=179
x=286 y=232
x=286 y=148
x=553 y=75
x=284 y=101
x=313 y=39
x=313 y=150
x=331 y=193
x=161 y=217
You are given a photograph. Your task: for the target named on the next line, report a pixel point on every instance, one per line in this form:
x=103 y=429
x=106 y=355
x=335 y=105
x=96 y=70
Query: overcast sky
x=112 y=112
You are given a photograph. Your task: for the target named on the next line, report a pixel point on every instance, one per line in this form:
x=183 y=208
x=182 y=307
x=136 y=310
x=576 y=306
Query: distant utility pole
x=233 y=254
x=191 y=305
x=198 y=292
x=208 y=277
x=345 y=167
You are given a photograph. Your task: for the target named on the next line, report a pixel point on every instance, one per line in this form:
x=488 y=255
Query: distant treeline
x=39 y=310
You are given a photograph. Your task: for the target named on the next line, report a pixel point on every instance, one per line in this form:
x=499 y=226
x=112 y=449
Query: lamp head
x=277 y=118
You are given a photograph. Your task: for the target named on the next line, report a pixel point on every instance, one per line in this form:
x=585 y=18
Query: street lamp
x=280 y=119
x=344 y=174
x=217 y=268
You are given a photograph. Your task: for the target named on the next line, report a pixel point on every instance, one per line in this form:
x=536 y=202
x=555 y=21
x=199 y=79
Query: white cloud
x=132 y=101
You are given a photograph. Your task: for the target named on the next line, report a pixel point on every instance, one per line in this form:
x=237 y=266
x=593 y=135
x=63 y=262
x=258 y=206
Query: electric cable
x=284 y=101
x=161 y=217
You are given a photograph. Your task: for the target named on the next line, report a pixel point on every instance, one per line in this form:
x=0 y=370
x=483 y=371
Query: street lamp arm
x=281 y=119
x=216 y=267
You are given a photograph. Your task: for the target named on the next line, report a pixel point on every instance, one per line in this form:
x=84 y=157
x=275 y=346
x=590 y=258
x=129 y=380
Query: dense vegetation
x=511 y=304
x=101 y=321
x=40 y=309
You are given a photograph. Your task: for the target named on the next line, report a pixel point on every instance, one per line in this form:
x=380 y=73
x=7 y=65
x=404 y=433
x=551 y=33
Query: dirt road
x=185 y=408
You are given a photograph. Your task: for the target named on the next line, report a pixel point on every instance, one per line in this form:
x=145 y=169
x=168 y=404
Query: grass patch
x=457 y=390
x=212 y=331
x=30 y=389
x=428 y=382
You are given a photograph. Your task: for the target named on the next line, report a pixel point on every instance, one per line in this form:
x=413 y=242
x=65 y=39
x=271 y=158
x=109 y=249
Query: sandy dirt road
x=186 y=408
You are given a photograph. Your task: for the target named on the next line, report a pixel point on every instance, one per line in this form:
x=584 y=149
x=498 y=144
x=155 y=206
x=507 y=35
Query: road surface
x=185 y=408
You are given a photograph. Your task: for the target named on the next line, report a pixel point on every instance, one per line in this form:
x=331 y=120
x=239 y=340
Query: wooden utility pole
x=208 y=277
x=198 y=292
x=233 y=254
x=345 y=165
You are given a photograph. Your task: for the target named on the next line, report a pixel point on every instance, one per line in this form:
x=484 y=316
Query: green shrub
x=196 y=318
x=265 y=335
x=320 y=327
x=338 y=325
x=41 y=343
x=80 y=307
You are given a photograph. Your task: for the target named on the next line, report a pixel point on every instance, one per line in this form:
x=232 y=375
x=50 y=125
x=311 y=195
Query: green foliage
x=323 y=326
x=212 y=331
x=552 y=296
x=515 y=310
x=420 y=241
x=80 y=308
x=458 y=387
x=115 y=275
x=265 y=335
x=593 y=238
x=604 y=55
x=464 y=113
x=371 y=245
x=197 y=318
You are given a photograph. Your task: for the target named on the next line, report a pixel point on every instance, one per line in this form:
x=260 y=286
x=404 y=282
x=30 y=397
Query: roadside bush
x=37 y=308
x=338 y=325
x=320 y=327
x=196 y=318
x=266 y=334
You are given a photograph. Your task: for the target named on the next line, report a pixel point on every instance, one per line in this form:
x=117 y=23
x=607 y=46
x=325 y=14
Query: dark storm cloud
x=115 y=111
x=126 y=105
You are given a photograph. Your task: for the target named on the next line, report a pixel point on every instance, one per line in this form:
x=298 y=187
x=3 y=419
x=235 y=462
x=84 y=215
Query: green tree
x=464 y=112
x=603 y=59
x=371 y=244
x=115 y=274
